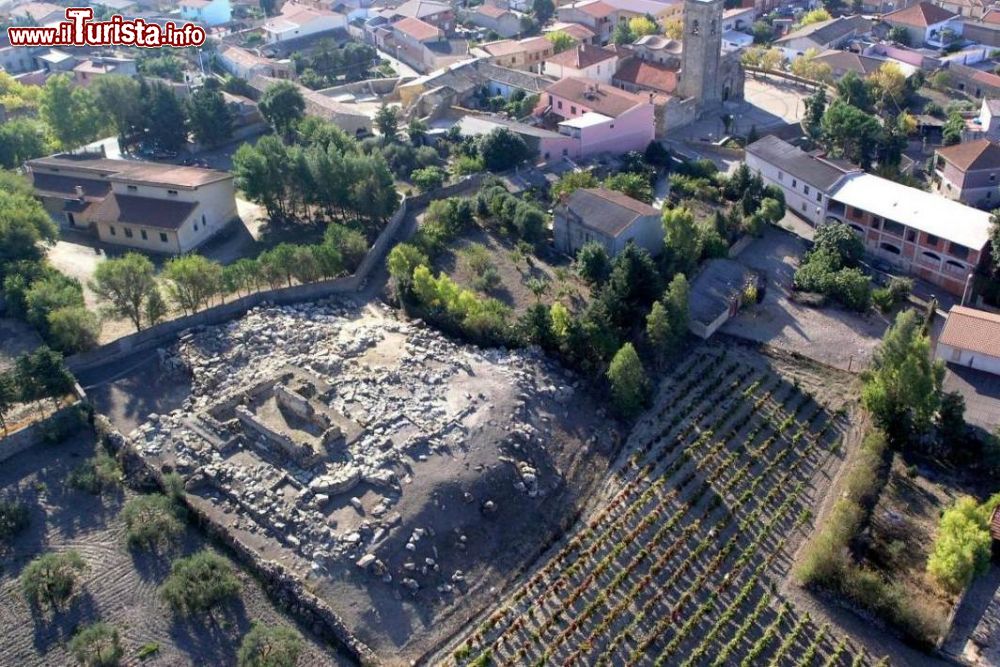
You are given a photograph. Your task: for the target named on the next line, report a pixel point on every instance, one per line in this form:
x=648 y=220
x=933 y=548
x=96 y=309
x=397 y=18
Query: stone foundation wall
x=284 y=589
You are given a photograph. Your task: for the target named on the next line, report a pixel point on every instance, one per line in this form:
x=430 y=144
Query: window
x=911 y=235
x=572 y=109
x=893 y=228
x=196 y=226
x=550 y=100
x=956 y=265
x=163 y=237
x=781 y=175
x=203 y=220
x=559 y=104
x=111 y=228
x=888 y=247
x=132 y=188
x=932 y=256
x=128 y=232
x=932 y=240
x=805 y=189
x=959 y=251
x=803 y=206
x=993 y=178
x=142 y=233
x=795 y=183
x=819 y=196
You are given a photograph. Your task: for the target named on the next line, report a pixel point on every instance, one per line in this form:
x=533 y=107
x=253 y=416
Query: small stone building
x=609 y=218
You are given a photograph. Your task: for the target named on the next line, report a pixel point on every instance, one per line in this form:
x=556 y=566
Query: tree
x=42 y=374
x=191 y=281
x=69 y=111
x=640 y=26
x=502 y=149
x=658 y=327
x=841 y=240
x=417 y=132
x=21 y=139
x=673 y=28
x=853 y=90
x=850 y=132
x=995 y=239
x=561 y=41
x=676 y=301
x=199 y=583
x=73 y=329
x=622 y=34
x=538 y=287
x=814 y=16
x=282 y=105
x=387 y=122
x=962 y=547
x=634 y=185
x=270 y=646
x=681 y=239
x=156 y=308
x=593 y=263
x=902 y=387
x=900 y=35
x=119 y=97
x=8 y=398
x=402 y=260
x=164 y=118
x=52 y=578
x=952 y=132
x=97 y=645
x=543 y=10
x=428 y=178
x=209 y=117
x=572 y=181
x=888 y=86
x=13 y=517
x=151 y=521
x=126 y=283
x=629 y=384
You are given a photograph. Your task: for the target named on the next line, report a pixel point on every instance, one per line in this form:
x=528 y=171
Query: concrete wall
x=163 y=334
x=961 y=357
x=35 y=434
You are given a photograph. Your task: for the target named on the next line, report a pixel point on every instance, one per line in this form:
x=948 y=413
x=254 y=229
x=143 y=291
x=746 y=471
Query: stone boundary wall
x=29 y=436
x=462 y=187
x=284 y=589
x=157 y=336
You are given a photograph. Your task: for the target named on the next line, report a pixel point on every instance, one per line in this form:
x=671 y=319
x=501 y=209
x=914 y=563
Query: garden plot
x=678 y=566
x=398 y=473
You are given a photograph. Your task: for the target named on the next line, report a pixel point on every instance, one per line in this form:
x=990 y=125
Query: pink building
x=604 y=119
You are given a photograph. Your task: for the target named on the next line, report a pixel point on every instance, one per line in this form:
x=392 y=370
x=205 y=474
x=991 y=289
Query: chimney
x=79 y=192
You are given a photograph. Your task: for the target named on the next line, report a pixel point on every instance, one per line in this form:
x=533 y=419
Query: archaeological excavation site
x=399 y=477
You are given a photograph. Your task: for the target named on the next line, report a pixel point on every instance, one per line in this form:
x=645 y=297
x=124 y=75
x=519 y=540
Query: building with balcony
x=926 y=23
x=920 y=233
x=969 y=172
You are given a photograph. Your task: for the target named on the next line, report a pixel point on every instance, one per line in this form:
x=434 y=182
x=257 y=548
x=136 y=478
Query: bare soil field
x=120 y=585
x=512 y=289
x=679 y=565
x=458 y=465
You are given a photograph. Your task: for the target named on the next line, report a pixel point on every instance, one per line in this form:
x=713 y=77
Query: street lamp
x=965 y=292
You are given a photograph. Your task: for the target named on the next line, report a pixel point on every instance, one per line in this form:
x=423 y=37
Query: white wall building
x=970 y=338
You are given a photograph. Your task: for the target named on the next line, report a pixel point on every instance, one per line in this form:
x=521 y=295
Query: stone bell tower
x=702 y=44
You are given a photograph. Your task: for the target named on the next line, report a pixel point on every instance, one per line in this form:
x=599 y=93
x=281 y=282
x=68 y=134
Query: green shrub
x=199 y=583
x=51 y=579
x=97 y=645
x=962 y=548
x=96 y=475
x=13 y=519
x=151 y=521
x=270 y=646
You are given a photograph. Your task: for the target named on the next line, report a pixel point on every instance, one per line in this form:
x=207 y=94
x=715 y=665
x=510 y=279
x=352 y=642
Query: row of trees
x=38 y=375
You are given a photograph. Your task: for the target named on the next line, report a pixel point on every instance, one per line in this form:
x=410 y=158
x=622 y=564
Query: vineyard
x=677 y=566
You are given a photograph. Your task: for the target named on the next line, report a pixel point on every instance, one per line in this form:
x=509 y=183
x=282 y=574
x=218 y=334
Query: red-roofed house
x=423 y=46
x=926 y=23
x=970 y=338
x=969 y=172
x=636 y=75
x=974 y=82
x=501 y=21
x=584 y=61
x=296 y=21
x=605 y=119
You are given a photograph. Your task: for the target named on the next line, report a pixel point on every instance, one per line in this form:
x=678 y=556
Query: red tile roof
x=648 y=75
x=491 y=11
x=417 y=29
x=596 y=9
x=920 y=15
x=978 y=154
x=582 y=56
x=600 y=97
x=972 y=330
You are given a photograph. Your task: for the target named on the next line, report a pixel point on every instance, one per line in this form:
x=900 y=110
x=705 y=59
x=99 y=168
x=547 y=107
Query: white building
x=806 y=180
x=207 y=12
x=297 y=21
x=584 y=61
x=971 y=338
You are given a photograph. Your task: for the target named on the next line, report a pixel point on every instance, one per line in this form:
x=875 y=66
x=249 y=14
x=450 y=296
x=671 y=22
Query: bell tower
x=702 y=44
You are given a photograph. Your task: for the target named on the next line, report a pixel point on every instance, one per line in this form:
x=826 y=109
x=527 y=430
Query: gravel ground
x=120 y=586
x=829 y=335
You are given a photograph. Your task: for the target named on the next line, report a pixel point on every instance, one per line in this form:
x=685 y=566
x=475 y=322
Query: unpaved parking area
x=120 y=586
x=829 y=335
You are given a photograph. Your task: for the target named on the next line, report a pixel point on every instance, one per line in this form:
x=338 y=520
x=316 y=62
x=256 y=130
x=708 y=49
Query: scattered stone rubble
x=376 y=394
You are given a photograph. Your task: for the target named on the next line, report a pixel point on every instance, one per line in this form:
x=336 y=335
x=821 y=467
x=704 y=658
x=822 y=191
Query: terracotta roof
x=920 y=15
x=417 y=29
x=648 y=75
x=419 y=9
x=532 y=44
x=144 y=211
x=978 y=154
x=491 y=11
x=602 y=98
x=582 y=56
x=37 y=10
x=596 y=9
x=995 y=523
x=577 y=31
x=992 y=16
x=607 y=211
x=847 y=61
x=972 y=330
x=503 y=47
